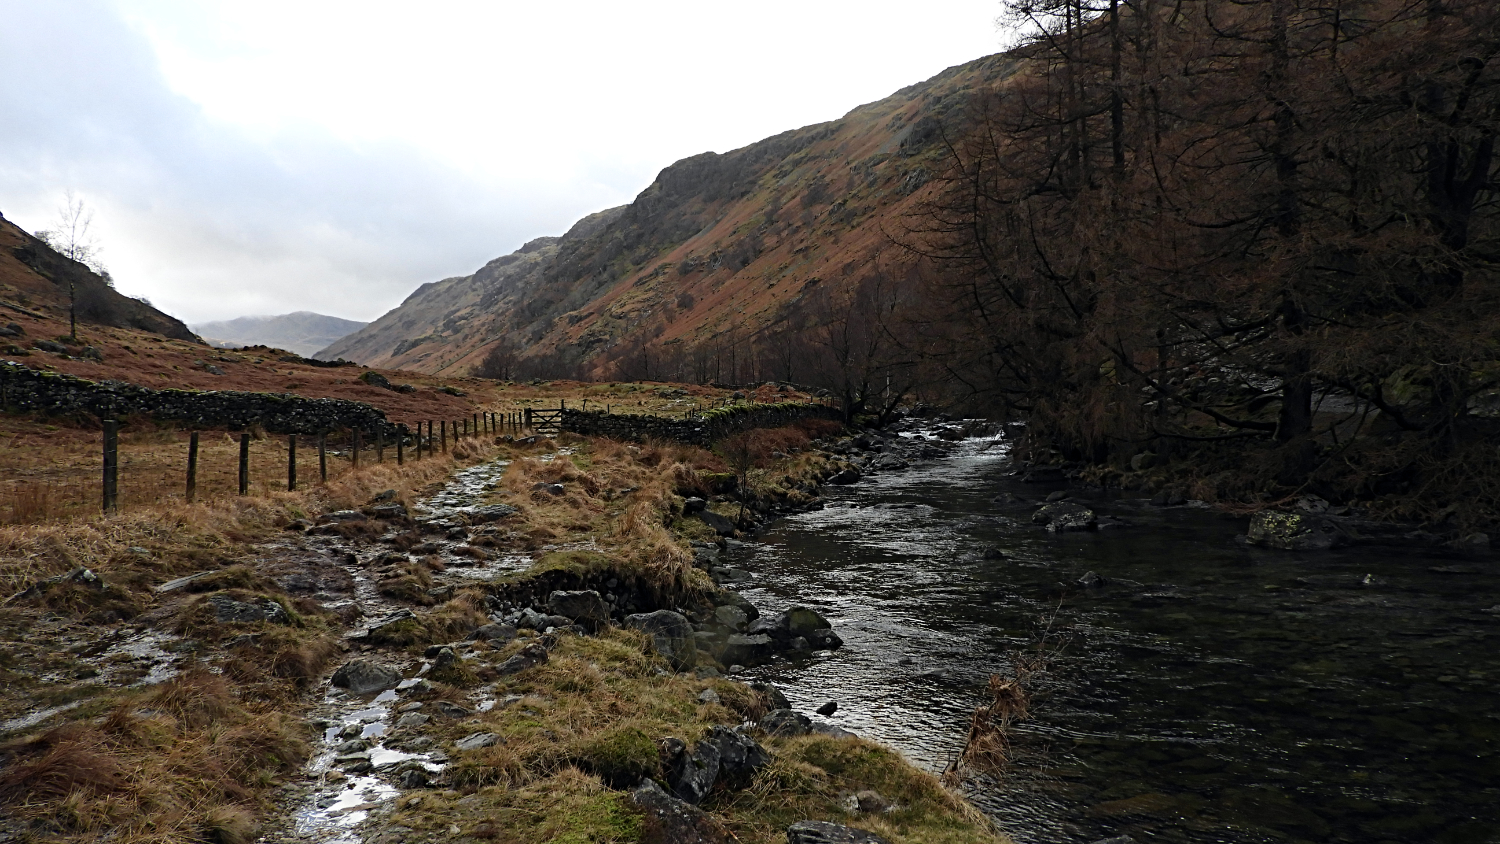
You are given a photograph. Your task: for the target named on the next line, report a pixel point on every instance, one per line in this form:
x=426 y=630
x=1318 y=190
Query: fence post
x=400 y=450
x=357 y=445
x=528 y=418
x=192 y=478
x=291 y=462
x=111 y=464
x=323 y=456
x=380 y=445
x=244 y=463
x=443 y=432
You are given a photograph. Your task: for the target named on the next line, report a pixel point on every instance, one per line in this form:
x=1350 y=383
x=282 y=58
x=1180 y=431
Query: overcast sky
x=263 y=157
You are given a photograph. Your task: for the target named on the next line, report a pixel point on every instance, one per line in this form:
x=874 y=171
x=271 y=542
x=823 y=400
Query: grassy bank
x=204 y=755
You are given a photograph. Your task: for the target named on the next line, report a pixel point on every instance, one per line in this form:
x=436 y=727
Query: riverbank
x=469 y=707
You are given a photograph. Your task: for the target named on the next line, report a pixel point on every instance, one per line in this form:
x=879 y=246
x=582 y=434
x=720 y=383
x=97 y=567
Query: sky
x=247 y=158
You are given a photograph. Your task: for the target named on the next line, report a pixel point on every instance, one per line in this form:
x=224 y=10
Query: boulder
x=363 y=677
x=495 y=633
x=1295 y=532
x=549 y=489
x=785 y=722
x=693 y=505
x=823 y=832
x=721 y=524
x=229 y=611
x=748 y=649
x=668 y=820
x=797 y=623
x=476 y=741
x=731 y=617
x=490 y=513
x=1061 y=516
x=586 y=607
x=690 y=774
x=845 y=477
x=531 y=655
x=828 y=708
x=671 y=634
x=740 y=756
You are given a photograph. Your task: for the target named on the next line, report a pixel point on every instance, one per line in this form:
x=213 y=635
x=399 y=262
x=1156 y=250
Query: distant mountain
x=302 y=332
x=721 y=251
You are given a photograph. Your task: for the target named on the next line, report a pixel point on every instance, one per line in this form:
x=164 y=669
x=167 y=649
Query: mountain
x=302 y=332
x=35 y=280
x=720 y=249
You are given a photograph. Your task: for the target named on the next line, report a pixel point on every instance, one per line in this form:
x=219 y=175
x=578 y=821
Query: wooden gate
x=545 y=422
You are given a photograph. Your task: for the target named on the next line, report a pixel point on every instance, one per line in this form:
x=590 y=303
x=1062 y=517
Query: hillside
x=34 y=282
x=303 y=332
x=719 y=250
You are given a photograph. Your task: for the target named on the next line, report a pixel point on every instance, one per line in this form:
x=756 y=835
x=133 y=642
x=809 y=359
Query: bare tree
x=72 y=236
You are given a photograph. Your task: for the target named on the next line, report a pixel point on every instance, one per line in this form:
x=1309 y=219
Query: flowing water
x=1207 y=692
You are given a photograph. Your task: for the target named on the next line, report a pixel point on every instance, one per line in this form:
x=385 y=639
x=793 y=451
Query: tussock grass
x=187 y=760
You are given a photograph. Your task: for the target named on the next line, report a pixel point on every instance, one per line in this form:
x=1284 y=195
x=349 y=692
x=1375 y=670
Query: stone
x=785 y=722
x=1057 y=496
x=731 y=617
x=668 y=820
x=720 y=524
x=449 y=709
x=412 y=720
x=1168 y=498
x=828 y=708
x=690 y=774
x=1090 y=580
x=229 y=611
x=413 y=777
x=773 y=696
x=671 y=634
x=494 y=633
x=475 y=741
x=585 y=607
x=1294 y=532
x=173 y=585
x=1313 y=504
x=531 y=655
x=990 y=552
x=363 y=677
x=340 y=516
x=740 y=757
x=693 y=505
x=845 y=477
x=870 y=802
x=490 y=513
x=1063 y=516
x=375 y=379
x=52 y=346
x=708 y=696
x=823 y=832
x=747 y=649
x=550 y=489
x=1143 y=461
x=388 y=511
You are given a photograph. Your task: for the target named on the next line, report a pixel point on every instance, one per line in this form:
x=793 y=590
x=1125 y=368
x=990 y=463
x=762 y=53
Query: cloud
x=330 y=156
x=210 y=221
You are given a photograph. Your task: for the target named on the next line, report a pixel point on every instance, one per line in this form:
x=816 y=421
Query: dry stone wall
x=31 y=391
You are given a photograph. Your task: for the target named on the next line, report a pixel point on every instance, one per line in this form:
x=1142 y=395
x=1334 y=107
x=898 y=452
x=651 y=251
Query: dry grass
x=187 y=760
x=590 y=722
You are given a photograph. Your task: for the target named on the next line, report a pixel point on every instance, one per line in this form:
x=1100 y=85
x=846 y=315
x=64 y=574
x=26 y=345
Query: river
x=1207 y=692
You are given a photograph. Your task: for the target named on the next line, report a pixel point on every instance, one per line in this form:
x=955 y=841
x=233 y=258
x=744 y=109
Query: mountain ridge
x=720 y=248
x=303 y=332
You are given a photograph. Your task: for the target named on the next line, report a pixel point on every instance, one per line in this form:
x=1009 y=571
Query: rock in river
x=1062 y=516
x=585 y=607
x=1295 y=532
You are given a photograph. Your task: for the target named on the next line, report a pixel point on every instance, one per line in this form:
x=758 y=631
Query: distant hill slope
x=303 y=332
x=719 y=246
x=34 y=281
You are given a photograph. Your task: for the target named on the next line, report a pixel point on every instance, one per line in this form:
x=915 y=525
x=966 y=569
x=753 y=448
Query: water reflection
x=1207 y=693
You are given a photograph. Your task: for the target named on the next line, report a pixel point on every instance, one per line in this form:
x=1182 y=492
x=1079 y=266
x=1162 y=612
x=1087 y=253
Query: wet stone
x=477 y=741
x=363 y=677
x=823 y=832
